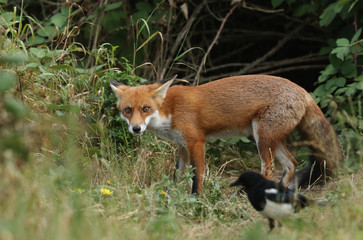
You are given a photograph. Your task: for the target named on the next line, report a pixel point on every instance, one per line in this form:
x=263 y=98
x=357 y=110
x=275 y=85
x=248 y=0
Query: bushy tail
x=326 y=155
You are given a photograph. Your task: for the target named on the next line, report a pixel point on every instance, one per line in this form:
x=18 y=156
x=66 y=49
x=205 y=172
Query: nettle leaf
x=46 y=31
x=59 y=19
x=6 y=18
x=7 y=80
x=38 y=52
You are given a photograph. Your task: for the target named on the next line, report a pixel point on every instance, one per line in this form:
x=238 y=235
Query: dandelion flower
x=106 y=191
x=164 y=193
x=108 y=182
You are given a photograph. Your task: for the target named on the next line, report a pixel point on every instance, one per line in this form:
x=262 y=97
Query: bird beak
x=235 y=183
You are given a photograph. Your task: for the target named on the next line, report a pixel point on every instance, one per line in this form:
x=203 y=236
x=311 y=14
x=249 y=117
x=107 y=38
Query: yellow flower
x=80 y=190
x=164 y=193
x=108 y=182
x=106 y=191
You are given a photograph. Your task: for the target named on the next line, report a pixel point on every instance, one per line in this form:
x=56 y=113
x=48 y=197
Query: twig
x=180 y=38
x=280 y=70
x=89 y=13
x=289 y=69
x=196 y=79
x=260 y=9
x=279 y=45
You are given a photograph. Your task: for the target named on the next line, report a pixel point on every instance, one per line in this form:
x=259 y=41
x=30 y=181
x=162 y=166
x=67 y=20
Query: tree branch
x=279 y=45
x=179 y=39
x=196 y=79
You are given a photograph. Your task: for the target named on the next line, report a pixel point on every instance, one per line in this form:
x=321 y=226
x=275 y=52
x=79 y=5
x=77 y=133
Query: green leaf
x=276 y=3
x=359 y=78
x=4 y=1
x=46 y=31
x=68 y=108
x=59 y=19
x=320 y=91
x=14 y=58
x=144 y=7
x=16 y=107
x=335 y=62
x=112 y=6
x=343 y=42
x=359 y=85
x=7 y=80
x=28 y=66
x=351 y=90
x=348 y=69
x=63 y=67
x=185 y=52
x=327 y=16
x=6 y=18
x=305 y=9
x=38 y=52
x=341 y=52
x=335 y=82
x=356 y=35
x=340 y=82
x=245 y=139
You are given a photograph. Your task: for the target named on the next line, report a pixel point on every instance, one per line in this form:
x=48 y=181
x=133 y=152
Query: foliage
x=117 y=128
x=341 y=83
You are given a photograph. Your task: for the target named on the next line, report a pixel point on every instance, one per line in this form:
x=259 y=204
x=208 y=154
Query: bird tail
x=311 y=202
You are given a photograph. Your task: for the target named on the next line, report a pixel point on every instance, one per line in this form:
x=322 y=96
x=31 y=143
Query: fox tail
x=326 y=155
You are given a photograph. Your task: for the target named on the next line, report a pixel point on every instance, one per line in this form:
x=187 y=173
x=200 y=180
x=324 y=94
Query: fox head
x=138 y=105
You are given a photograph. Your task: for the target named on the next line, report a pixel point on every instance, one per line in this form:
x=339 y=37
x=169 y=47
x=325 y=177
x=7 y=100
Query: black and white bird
x=271 y=199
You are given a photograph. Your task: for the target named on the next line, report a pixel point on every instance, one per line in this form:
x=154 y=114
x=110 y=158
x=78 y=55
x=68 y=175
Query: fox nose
x=136 y=129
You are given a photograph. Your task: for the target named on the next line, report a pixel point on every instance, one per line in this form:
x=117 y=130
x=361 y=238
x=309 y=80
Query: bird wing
x=286 y=196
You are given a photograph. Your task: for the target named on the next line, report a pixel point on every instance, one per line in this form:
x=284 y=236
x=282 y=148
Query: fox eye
x=127 y=110
x=145 y=109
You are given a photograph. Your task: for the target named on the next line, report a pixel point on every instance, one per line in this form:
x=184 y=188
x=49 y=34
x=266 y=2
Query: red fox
x=268 y=108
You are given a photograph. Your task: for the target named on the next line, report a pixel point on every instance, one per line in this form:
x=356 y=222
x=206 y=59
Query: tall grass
x=56 y=188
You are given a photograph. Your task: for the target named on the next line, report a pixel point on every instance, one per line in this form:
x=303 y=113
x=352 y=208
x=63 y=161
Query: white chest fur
x=161 y=126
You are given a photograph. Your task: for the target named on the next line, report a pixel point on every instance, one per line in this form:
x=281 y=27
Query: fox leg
x=183 y=158
x=266 y=149
x=288 y=163
x=197 y=158
x=267 y=155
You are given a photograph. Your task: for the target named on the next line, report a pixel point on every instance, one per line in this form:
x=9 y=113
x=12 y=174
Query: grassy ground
x=61 y=195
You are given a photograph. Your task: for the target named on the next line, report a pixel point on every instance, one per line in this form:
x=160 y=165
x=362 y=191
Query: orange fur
x=267 y=107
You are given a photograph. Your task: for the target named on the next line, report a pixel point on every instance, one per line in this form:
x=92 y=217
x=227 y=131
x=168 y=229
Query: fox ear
x=114 y=86
x=161 y=91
